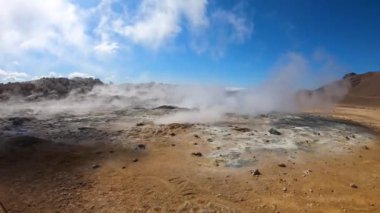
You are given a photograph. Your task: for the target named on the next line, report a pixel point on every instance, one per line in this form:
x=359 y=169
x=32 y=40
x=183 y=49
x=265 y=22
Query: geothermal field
x=79 y=145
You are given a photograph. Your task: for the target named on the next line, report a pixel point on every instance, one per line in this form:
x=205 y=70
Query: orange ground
x=167 y=178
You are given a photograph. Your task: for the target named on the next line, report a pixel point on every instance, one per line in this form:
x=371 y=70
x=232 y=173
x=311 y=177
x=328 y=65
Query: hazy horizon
x=236 y=43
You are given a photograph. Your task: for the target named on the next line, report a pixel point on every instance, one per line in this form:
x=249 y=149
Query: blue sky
x=230 y=42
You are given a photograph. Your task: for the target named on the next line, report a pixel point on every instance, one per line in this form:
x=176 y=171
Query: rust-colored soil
x=166 y=177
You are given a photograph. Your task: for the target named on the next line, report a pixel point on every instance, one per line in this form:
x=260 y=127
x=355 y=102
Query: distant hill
x=46 y=88
x=364 y=90
x=353 y=89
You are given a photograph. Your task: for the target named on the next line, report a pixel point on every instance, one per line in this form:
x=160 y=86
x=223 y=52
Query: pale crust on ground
x=167 y=178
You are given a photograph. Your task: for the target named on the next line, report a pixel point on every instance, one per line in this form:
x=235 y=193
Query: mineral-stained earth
x=130 y=159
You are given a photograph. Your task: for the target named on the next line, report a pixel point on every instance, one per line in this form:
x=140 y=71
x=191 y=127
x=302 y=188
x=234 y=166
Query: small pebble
x=255 y=172
x=95 y=166
x=197 y=154
x=353 y=185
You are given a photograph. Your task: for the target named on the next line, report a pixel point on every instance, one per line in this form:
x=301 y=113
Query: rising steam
x=207 y=103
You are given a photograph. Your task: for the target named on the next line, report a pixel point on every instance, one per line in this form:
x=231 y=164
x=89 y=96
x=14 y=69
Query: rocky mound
x=46 y=88
x=352 y=89
x=364 y=90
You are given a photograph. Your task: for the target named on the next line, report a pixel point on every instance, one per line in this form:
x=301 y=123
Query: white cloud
x=45 y=35
x=80 y=75
x=229 y=27
x=158 y=21
x=106 y=47
x=10 y=76
x=241 y=28
x=40 y=25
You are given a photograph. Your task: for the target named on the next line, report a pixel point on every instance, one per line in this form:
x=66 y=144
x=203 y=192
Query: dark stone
x=85 y=128
x=242 y=129
x=255 y=172
x=140 y=124
x=281 y=165
x=135 y=160
x=141 y=146
x=274 y=132
x=18 y=121
x=353 y=185
x=95 y=166
x=197 y=154
x=7 y=128
x=166 y=107
x=348 y=75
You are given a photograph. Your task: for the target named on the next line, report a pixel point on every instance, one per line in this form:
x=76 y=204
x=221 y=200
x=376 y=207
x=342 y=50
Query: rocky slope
x=46 y=88
x=364 y=90
x=352 y=89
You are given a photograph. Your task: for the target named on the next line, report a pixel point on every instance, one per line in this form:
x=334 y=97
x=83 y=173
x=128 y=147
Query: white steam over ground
x=206 y=103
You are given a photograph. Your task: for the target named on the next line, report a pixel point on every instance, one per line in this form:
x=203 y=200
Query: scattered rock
x=18 y=121
x=196 y=136
x=166 y=107
x=140 y=124
x=307 y=172
x=255 y=172
x=284 y=189
x=95 y=166
x=123 y=167
x=349 y=75
x=281 y=165
x=197 y=154
x=347 y=138
x=274 y=132
x=173 y=144
x=353 y=185
x=7 y=128
x=195 y=144
x=210 y=140
x=135 y=160
x=172 y=134
x=141 y=146
x=179 y=126
x=365 y=147
x=242 y=129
